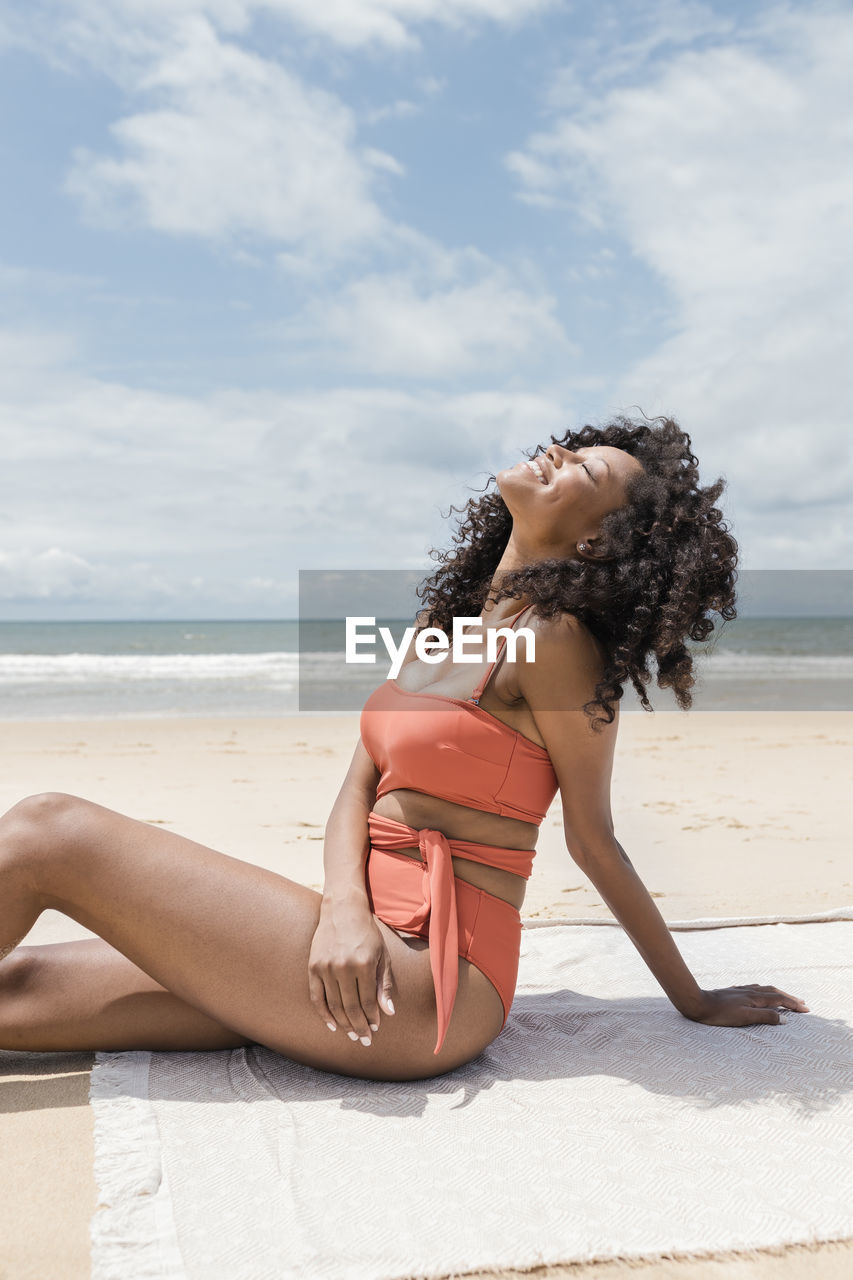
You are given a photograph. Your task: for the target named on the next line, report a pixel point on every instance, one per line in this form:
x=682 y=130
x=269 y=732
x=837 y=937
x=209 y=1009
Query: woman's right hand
x=742 y=1006
x=349 y=970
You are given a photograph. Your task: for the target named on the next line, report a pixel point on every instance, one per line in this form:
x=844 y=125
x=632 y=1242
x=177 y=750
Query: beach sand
x=722 y=814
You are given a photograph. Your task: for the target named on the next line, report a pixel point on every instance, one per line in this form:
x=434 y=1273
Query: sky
x=280 y=282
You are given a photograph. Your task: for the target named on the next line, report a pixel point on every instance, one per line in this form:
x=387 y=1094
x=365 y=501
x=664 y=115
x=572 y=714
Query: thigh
x=232 y=940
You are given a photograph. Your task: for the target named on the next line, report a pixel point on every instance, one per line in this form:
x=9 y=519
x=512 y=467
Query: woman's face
x=560 y=498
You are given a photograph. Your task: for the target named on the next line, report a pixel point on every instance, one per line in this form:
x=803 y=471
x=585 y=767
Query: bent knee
x=45 y=810
x=41 y=824
x=42 y=808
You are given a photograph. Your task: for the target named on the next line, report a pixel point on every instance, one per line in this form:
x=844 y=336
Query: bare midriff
x=458 y=822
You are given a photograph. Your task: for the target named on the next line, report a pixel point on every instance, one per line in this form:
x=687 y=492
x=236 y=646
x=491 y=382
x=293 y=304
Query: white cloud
x=29 y=358
x=390 y=22
x=56 y=574
x=117 y=35
x=626 y=38
x=239 y=146
x=120 y=494
x=728 y=174
x=396 y=110
x=233 y=146
x=392 y=325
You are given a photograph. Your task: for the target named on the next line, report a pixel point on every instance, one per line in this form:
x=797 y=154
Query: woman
x=607 y=549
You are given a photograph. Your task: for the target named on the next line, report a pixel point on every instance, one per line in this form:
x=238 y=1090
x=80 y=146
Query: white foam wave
x=270 y=668
x=735 y=662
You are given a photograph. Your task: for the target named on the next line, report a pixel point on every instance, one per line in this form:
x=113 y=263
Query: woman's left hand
x=743 y=1006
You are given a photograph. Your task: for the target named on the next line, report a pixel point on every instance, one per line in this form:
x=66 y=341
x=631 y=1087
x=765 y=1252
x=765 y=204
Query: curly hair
x=664 y=560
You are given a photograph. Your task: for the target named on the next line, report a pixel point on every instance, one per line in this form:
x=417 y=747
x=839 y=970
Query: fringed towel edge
x=132 y=1225
x=729 y=922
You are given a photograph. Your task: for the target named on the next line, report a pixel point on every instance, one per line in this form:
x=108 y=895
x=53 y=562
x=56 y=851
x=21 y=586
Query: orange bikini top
x=453 y=749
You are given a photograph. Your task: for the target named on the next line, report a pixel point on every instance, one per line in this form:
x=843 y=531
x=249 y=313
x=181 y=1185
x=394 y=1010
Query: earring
x=582 y=546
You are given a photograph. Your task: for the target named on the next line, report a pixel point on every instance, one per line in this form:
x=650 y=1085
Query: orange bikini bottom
x=426 y=900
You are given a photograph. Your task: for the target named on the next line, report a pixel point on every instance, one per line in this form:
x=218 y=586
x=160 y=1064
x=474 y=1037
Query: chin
x=508 y=484
x=507 y=475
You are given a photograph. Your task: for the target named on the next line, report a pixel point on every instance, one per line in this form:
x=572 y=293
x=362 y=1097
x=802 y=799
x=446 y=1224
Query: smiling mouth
x=536 y=469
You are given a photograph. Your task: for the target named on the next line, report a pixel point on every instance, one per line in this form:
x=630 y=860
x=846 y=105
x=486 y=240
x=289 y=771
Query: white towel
x=599 y=1124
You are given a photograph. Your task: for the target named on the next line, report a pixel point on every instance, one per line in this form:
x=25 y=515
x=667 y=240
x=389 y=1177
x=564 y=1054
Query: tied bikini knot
x=443 y=924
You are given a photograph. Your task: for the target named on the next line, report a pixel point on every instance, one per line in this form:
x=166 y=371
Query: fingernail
x=390 y=1005
x=352 y=1035
x=374 y=1026
x=365 y=1039
x=331 y=1026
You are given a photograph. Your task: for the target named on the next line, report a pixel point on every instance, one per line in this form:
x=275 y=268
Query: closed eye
x=588 y=472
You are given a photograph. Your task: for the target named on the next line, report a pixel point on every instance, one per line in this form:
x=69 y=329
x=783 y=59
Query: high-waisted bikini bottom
x=427 y=900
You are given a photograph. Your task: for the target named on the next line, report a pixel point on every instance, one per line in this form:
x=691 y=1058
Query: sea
x=203 y=667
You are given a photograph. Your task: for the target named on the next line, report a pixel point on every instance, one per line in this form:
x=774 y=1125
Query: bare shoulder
x=568 y=662
x=566 y=631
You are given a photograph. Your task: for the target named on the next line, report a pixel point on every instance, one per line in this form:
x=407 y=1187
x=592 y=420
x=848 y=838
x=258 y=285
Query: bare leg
x=69 y=996
x=227 y=939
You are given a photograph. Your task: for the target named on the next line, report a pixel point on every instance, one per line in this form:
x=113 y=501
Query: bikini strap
x=478 y=692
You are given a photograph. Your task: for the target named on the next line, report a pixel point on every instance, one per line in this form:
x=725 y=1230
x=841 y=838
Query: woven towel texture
x=599 y=1124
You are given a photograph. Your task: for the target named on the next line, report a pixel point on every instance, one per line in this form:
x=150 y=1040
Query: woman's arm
x=555 y=687
x=628 y=898
x=613 y=875
x=349 y=968
x=346 y=842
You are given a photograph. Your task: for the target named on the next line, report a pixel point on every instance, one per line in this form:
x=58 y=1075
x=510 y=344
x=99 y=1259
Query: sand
x=722 y=814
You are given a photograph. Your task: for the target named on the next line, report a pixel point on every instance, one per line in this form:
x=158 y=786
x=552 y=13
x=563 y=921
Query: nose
x=559 y=454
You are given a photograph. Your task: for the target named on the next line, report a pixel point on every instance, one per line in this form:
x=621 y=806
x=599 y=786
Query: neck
x=518 y=556
x=511 y=560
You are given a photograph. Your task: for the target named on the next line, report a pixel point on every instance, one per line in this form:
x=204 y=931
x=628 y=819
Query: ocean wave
x=272 y=668
x=800 y=666
x=283 y=668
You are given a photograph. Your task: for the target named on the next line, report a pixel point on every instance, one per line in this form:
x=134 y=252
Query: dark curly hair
x=664 y=560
